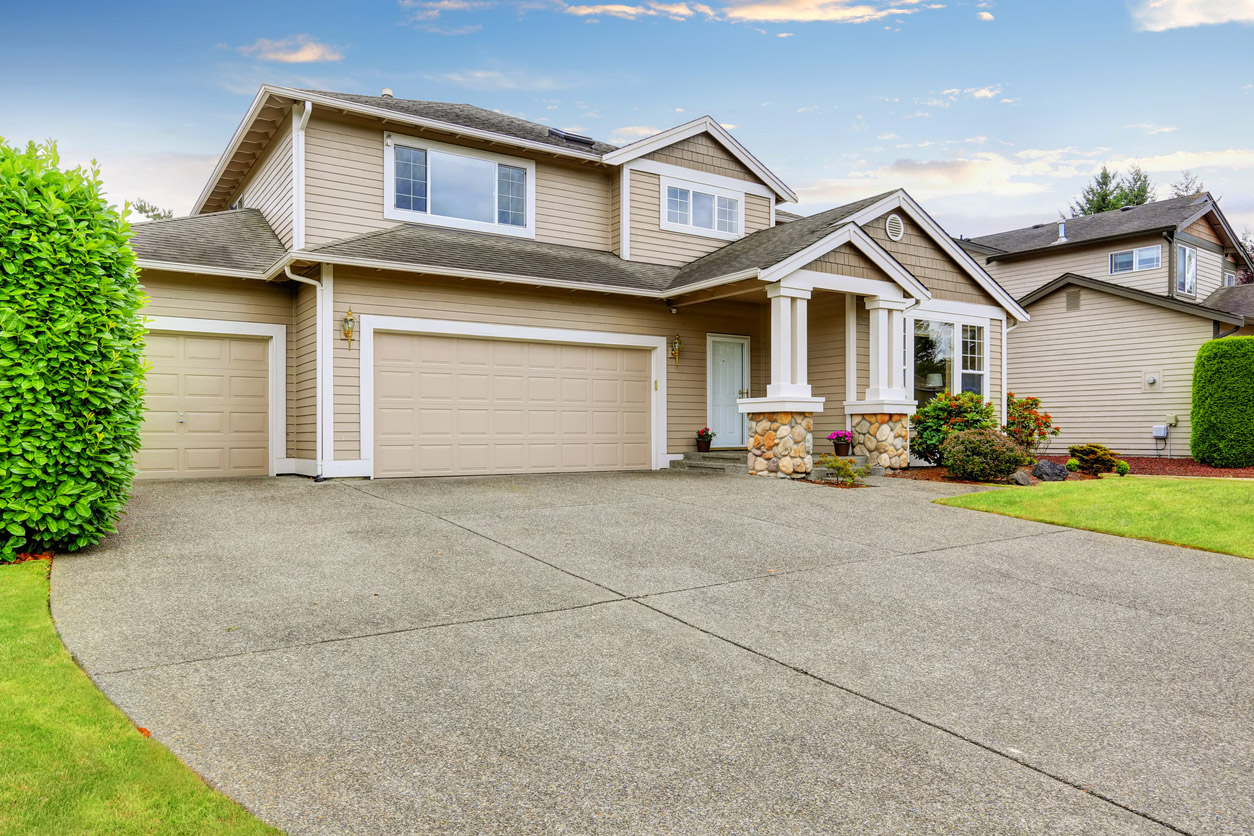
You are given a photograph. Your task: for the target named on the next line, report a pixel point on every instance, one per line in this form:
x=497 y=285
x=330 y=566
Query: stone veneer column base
x=781 y=444
x=883 y=438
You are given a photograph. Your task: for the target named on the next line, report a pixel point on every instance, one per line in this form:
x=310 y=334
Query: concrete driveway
x=669 y=653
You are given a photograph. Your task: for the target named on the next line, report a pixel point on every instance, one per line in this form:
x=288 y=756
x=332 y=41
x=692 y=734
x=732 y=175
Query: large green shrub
x=1094 y=459
x=71 y=368
x=982 y=455
x=944 y=414
x=1223 y=403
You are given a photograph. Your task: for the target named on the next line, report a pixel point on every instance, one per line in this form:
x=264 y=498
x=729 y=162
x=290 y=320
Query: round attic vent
x=895 y=227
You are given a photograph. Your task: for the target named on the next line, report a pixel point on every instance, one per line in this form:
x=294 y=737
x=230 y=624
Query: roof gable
x=929 y=263
x=1171 y=303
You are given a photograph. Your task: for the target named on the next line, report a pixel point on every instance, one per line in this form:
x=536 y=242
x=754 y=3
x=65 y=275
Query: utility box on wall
x=1152 y=382
x=1160 y=431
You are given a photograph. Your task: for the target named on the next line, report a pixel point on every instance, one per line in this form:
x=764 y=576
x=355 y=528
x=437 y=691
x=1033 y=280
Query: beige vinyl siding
x=302 y=375
x=269 y=186
x=1021 y=276
x=996 y=394
x=473 y=301
x=215 y=297
x=927 y=262
x=616 y=216
x=344 y=189
x=649 y=242
x=703 y=153
x=1088 y=368
x=847 y=260
x=826 y=363
x=1210 y=273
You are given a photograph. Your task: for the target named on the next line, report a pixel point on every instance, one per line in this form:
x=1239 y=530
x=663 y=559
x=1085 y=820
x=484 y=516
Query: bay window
x=446 y=185
x=699 y=209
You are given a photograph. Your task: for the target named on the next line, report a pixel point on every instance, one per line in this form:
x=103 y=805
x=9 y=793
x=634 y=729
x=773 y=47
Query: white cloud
x=838 y=11
x=294 y=49
x=432 y=9
x=1161 y=15
x=436 y=29
x=809 y=109
x=1231 y=158
x=785 y=34
x=984 y=15
x=630 y=133
x=1151 y=128
x=498 y=80
x=889 y=135
x=727 y=125
x=619 y=10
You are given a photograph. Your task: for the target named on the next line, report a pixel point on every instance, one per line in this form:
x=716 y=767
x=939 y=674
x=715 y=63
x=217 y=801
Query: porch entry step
x=734 y=462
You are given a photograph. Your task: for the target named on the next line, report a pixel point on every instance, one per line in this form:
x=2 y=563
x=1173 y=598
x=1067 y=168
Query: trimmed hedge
x=982 y=455
x=1223 y=403
x=71 y=363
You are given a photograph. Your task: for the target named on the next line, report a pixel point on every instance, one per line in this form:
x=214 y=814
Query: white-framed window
x=1186 y=270
x=463 y=188
x=700 y=209
x=1142 y=258
x=1230 y=279
x=946 y=354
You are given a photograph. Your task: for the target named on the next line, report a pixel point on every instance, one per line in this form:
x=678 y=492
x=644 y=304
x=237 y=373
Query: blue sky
x=993 y=114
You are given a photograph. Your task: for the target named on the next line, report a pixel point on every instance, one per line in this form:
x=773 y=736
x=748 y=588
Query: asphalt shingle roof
x=417 y=245
x=1161 y=214
x=235 y=239
x=470 y=116
x=770 y=246
x=1238 y=299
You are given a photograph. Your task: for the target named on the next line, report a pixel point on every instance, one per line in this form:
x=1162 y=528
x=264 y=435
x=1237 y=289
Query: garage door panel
x=495 y=406
x=207 y=407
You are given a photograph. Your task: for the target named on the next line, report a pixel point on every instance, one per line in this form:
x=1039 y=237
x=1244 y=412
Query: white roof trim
x=200 y=269
x=850 y=233
x=258 y=102
x=900 y=200
x=700 y=125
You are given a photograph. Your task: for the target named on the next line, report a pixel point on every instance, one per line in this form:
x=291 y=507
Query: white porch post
x=789 y=342
x=887 y=381
x=880 y=421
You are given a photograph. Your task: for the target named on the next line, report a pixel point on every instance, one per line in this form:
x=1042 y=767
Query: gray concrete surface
x=669 y=652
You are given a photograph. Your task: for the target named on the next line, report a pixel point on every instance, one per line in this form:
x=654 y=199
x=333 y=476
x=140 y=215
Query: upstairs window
x=430 y=182
x=1230 y=279
x=701 y=210
x=1186 y=270
x=1144 y=258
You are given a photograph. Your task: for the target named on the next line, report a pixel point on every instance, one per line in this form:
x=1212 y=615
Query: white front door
x=728 y=380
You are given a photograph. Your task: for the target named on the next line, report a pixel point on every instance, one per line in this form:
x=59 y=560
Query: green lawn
x=1211 y=514
x=70 y=762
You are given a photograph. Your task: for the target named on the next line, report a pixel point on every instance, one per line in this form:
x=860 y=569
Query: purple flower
x=841 y=437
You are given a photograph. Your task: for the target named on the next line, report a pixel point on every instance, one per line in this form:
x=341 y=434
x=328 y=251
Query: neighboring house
x=1121 y=302
x=371 y=286
x=1235 y=299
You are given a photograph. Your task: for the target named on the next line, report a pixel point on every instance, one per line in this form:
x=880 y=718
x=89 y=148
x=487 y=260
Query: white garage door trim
x=276 y=366
x=369 y=323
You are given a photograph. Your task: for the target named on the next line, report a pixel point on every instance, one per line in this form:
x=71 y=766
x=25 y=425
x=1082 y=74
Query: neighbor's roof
x=770 y=246
x=782 y=217
x=1160 y=215
x=235 y=239
x=1206 y=310
x=1238 y=299
x=475 y=254
x=469 y=116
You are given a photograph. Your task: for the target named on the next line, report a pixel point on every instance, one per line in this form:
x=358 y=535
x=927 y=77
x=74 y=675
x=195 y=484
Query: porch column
x=781 y=424
x=881 y=420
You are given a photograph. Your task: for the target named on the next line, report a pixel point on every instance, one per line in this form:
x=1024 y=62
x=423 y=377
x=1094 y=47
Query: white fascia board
x=901 y=200
x=785 y=404
x=701 y=124
x=850 y=234
x=703 y=178
x=199 y=269
x=968 y=309
x=258 y=102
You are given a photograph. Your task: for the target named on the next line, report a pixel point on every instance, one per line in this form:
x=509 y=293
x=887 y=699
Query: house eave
x=1167 y=302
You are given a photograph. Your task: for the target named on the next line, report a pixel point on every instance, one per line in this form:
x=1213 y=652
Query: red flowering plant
x=704 y=434
x=947 y=413
x=1027 y=426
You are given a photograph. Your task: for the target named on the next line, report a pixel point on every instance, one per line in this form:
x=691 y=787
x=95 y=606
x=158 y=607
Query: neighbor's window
x=1186 y=270
x=1143 y=258
x=462 y=188
x=690 y=207
x=1230 y=279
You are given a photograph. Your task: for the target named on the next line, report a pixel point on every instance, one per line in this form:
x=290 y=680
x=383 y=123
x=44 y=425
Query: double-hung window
x=446 y=185
x=1142 y=258
x=940 y=365
x=701 y=210
x=1186 y=270
x=1230 y=279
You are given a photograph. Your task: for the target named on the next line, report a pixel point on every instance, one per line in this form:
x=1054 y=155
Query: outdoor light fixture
x=676 y=345
x=348 y=326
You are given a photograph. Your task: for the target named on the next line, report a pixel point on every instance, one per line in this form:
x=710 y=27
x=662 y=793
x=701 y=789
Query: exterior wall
x=1020 y=277
x=703 y=153
x=616 y=215
x=302 y=375
x=213 y=297
x=470 y=301
x=847 y=260
x=344 y=190
x=927 y=262
x=1210 y=269
x=1088 y=368
x=269 y=186
x=826 y=363
x=651 y=243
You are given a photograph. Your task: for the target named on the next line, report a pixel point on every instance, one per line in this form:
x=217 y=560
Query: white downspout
x=319 y=326
x=1005 y=353
x=300 y=120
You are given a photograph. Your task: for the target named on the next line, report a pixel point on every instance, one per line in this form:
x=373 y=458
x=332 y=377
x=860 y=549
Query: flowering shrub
x=704 y=434
x=945 y=414
x=841 y=437
x=1026 y=425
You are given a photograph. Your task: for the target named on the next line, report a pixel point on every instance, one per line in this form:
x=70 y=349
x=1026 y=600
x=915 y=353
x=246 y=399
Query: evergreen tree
x=1102 y=195
x=1136 y=187
x=1188 y=184
x=151 y=210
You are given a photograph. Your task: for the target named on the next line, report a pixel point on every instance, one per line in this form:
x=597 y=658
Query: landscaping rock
x=1048 y=471
x=1021 y=478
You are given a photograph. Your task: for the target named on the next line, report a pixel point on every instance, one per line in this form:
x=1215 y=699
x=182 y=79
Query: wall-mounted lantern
x=349 y=327
x=676 y=345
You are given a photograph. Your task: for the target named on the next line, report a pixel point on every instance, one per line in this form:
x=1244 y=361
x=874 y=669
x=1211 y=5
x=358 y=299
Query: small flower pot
x=842 y=448
x=703 y=445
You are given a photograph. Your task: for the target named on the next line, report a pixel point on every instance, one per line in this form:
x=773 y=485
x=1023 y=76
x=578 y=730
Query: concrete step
x=735 y=455
x=733 y=462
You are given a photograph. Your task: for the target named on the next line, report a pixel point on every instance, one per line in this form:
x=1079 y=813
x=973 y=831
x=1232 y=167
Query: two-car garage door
x=460 y=405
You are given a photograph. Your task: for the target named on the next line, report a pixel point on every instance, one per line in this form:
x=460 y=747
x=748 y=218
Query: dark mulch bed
x=834 y=484
x=941 y=474
x=1151 y=466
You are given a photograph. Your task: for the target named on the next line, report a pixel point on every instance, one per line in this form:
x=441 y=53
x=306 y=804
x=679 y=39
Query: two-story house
x=372 y=286
x=1120 y=301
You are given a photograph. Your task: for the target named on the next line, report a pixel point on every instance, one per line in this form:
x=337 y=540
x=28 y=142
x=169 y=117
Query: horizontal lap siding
x=302 y=375
x=927 y=262
x=846 y=260
x=703 y=153
x=214 y=297
x=1087 y=367
x=572 y=206
x=472 y=301
x=269 y=187
x=1020 y=277
x=1210 y=274
x=651 y=243
x=826 y=329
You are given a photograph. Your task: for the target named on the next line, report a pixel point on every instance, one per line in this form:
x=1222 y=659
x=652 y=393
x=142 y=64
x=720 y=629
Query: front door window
x=729 y=381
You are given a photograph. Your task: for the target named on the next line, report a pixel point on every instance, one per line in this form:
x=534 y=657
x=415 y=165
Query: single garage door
x=453 y=405
x=207 y=411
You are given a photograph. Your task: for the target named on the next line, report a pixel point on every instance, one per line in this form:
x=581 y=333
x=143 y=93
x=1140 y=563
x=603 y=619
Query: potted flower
x=704 y=437
x=842 y=439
